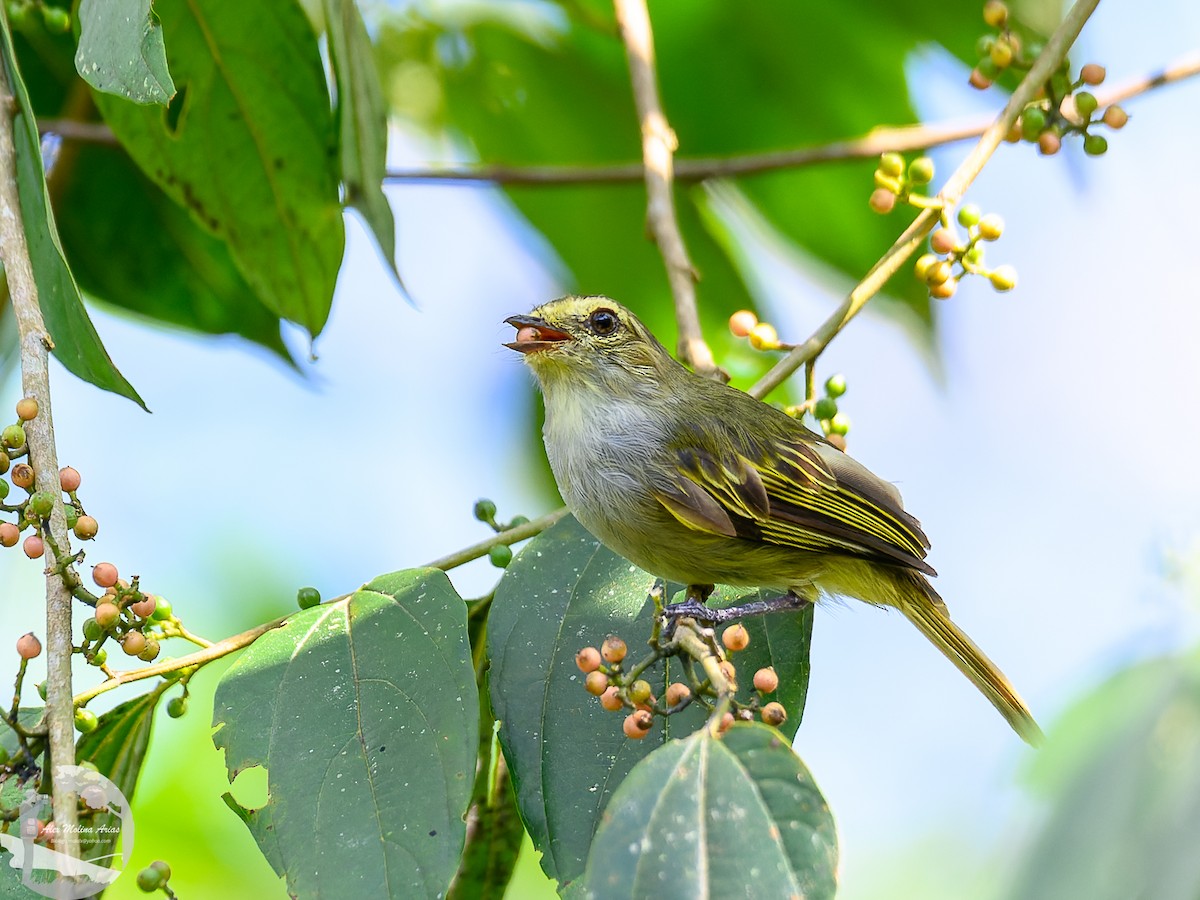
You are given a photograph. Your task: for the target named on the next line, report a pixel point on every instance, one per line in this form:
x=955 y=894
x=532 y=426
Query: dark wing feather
x=796 y=491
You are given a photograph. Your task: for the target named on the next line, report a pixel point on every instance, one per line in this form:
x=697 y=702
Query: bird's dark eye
x=603 y=322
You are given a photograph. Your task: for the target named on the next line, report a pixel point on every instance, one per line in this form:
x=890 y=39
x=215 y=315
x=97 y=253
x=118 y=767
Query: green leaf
x=567 y=754
x=121 y=50
x=154 y=260
x=365 y=713
x=117 y=747
x=248 y=146
x=362 y=123
x=76 y=343
x=709 y=817
x=1122 y=777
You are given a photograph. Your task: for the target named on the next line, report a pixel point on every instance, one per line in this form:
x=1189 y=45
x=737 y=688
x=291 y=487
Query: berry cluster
x=499 y=554
x=937 y=269
x=895 y=181
x=762 y=335
x=1062 y=107
x=834 y=422
x=621 y=688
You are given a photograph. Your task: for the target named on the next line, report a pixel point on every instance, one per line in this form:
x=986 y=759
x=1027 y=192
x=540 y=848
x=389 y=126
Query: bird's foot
x=693 y=607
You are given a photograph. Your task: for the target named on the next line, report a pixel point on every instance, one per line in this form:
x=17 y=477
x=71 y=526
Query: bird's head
x=590 y=339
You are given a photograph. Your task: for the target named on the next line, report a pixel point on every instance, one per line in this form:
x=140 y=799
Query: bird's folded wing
x=802 y=493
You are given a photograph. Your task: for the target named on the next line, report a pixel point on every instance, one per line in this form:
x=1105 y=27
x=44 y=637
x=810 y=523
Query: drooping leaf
x=364 y=712
x=121 y=50
x=248 y=146
x=737 y=815
x=362 y=123
x=117 y=748
x=565 y=591
x=76 y=343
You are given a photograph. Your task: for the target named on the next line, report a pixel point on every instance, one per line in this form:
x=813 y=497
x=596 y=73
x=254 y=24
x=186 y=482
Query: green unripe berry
x=1095 y=145
x=639 y=691
x=825 y=408
x=100 y=657
x=161 y=868
x=988 y=69
x=1086 y=104
x=983 y=46
x=57 y=19
x=85 y=720
x=920 y=170
x=306 y=598
x=42 y=503
x=839 y=424
x=13 y=436
x=72 y=515
x=974 y=256
x=92 y=630
x=41 y=690
x=485 y=510
x=1003 y=278
x=500 y=555
x=991 y=227
x=1033 y=122
x=6 y=461
x=518 y=521
x=149 y=880
x=892 y=164
x=162 y=609
x=176 y=707
x=835 y=385
x=968 y=215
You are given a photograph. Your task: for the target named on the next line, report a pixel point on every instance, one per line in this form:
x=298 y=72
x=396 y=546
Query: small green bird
x=699 y=483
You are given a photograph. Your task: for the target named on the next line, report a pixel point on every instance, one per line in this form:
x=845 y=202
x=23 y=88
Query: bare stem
x=34 y=342
x=956 y=185
x=658 y=150
x=509 y=536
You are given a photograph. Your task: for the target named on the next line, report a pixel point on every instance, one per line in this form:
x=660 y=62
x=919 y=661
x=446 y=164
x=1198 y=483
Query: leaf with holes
x=708 y=816
x=121 y=50
x=248 y=146
x=567 y=755
x=365 y=713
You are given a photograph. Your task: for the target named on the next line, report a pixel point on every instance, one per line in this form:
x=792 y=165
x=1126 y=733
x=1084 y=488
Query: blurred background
x=1046 y=439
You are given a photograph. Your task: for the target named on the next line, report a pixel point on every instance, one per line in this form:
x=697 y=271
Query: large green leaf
x=566 y=753
x=248 y=145
x=76 y=343
x=364 y=712
x=117 y=748
x=1122 y=775
x=121 y=50
x=362 y=123
x=732 y=816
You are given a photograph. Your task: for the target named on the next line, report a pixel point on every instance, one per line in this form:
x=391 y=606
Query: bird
x=699 y=483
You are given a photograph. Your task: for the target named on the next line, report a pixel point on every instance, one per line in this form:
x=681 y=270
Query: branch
x=1045 y=65
x=658 y=147
x=34 y=342
x=510 y=536
x=199 y=658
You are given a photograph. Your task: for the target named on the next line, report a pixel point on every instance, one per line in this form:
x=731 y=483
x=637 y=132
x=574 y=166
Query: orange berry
x=596 y=683
x=69 y=479
x=774 y=714
x=611 y=698
x=943 y=290
x=86 y=528
x=28 y=646
x=34 y=546
x=882 y=201
x=766 y=680
x=942 y=241
x=1115 y=117
x=588 y=659
x=677 y=692
x=9 y=534
x=735 y=637
x=22 y=475
x=726 y=721
x=742 y=322
x=637 y=724
x=144 y=607
x=1049 y=143
x=104 y=574
x=27 y=408
x=133 y=643
x=613 y=649
x=1092 y=74
x=107 y=614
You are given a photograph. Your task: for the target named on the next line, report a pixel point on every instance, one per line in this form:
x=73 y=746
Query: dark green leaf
x=732 y=816
x=153 y=259
x=364 y=712
x=121 y=50
x=567 y=755
x=248 y=146
x=362 y=123
x=76 y=343
x=117 y=748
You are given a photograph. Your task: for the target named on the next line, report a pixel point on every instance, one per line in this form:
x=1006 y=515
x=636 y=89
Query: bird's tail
x=925 y=609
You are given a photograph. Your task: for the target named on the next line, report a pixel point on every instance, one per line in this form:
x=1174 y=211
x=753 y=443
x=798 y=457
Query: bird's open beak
x=534 y=335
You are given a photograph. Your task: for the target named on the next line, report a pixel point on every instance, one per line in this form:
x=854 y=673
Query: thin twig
x=658 y=149
x=509 y=536
x=956 y=185
x=199 y=658
x=35 y=343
